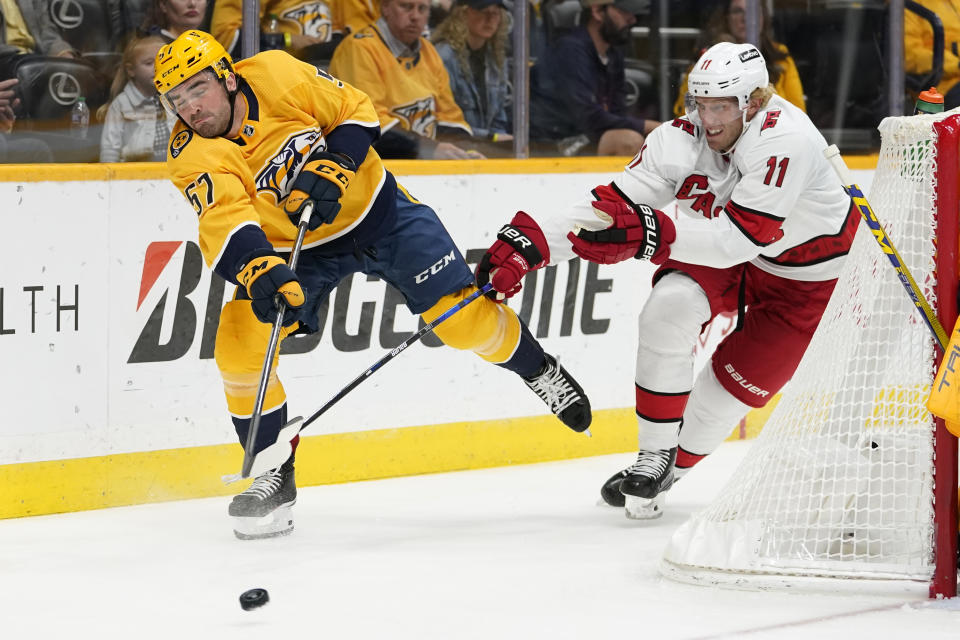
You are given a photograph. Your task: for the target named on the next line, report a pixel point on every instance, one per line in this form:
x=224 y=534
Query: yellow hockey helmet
x=192 y=52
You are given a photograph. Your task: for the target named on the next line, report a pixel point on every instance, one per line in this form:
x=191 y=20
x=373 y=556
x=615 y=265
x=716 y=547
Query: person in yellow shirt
x=258 y=140
x=918 y=46
x=308 y=29
x=404 y=76
x=728 y=24
x=359 y=13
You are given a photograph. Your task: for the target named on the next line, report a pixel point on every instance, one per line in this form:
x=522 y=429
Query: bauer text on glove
x=520 y=247
x=634 y=231
x=265 y=279
x=323 y=180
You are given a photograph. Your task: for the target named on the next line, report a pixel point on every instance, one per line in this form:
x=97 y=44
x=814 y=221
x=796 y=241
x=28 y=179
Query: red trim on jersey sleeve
x=821 y=248
x=760 y=227
x=660 y=407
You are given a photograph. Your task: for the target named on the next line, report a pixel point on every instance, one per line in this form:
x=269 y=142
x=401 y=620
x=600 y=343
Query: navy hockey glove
x=519 y=249
x=324 y=180
x=635 y=231
x=265 y=279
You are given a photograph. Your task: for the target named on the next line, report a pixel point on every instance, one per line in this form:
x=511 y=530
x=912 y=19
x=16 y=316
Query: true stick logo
x=179 y=301
x=950 y=369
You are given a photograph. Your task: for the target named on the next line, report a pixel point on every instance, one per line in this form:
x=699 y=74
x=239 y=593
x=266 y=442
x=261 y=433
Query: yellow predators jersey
x=359 y=13
x=411 y=93
x=237 y=185
x=316 y=18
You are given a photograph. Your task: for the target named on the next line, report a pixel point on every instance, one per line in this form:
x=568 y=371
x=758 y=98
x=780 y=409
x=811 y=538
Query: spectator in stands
x=578 y=89
x=472 y=43
x=308 y=30
x=918 y=46
x=359 y=13
x=26 y=29
x=405 y=78
x=169 y=18
x=137 y=127
x=13 y=147
x=727 y=23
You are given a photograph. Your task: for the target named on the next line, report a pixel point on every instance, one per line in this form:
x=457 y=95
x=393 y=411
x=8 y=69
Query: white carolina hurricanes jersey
x=773 y=201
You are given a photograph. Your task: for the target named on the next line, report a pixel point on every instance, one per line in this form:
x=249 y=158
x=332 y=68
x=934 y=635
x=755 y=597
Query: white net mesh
x=839 y=483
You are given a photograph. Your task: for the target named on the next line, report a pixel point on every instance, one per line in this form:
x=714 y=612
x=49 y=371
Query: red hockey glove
x=519 y=249
x=636 y=231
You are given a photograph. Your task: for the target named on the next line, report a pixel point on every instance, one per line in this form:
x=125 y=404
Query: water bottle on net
x=929 y=101
x=79 y=118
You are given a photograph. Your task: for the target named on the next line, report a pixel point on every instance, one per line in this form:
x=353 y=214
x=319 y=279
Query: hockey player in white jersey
x=763 y=230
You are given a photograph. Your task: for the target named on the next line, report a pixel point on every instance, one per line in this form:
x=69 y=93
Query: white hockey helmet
x=728 y=70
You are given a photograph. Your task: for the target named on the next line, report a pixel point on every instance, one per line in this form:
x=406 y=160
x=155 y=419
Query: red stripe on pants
x=661 y=407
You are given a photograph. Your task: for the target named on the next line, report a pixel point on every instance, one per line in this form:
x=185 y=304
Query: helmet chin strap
x=232 y=99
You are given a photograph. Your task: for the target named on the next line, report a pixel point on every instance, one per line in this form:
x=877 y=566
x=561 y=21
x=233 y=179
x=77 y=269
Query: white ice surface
x=517 y=552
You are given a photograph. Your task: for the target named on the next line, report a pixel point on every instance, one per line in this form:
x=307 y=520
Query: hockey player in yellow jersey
x=404 y=76
x=255 y=142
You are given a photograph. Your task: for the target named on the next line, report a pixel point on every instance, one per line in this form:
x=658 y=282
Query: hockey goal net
x=851 y=476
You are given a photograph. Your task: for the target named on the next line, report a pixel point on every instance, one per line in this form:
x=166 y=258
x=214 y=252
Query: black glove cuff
x=520 y=243
x=342 y=160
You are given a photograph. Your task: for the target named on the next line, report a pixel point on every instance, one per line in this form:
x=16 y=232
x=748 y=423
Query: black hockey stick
x=277 y=453
x=281 y=305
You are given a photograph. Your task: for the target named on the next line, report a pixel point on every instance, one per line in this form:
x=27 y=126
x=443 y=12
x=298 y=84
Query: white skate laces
x=566 y=399
x=650 y=463
x=554 y=389
x=265 y=485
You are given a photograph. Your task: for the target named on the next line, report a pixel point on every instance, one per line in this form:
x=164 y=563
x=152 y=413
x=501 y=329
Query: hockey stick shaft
x=277 y=453
x=281 y=305
x=393 y=353
x=832 y=154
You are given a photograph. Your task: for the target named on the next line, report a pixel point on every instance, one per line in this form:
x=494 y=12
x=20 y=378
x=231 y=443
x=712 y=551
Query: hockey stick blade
x=271 y=457
x=832 y=153
x=277 y=453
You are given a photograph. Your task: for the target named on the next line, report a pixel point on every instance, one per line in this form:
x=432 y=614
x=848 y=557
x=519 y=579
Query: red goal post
x=852 y=478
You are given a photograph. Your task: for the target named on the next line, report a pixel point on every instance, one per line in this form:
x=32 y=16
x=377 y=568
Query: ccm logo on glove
x=267 y=277
x=323 y=180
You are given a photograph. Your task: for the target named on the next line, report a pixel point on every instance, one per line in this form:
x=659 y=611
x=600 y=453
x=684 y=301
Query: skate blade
x=637 y=508
x=278 y=522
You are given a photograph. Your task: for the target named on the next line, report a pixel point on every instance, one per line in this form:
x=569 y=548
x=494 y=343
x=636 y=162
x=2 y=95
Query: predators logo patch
x=419 y=116
x=313 y=18
x=278 y=173
x=180 y=141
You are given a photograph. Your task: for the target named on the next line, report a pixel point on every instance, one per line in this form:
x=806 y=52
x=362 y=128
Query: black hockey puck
x=254 y=599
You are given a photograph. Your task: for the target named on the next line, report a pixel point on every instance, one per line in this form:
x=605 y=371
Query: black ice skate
x=264 y=510
x=562 y=394
x=645 y=482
